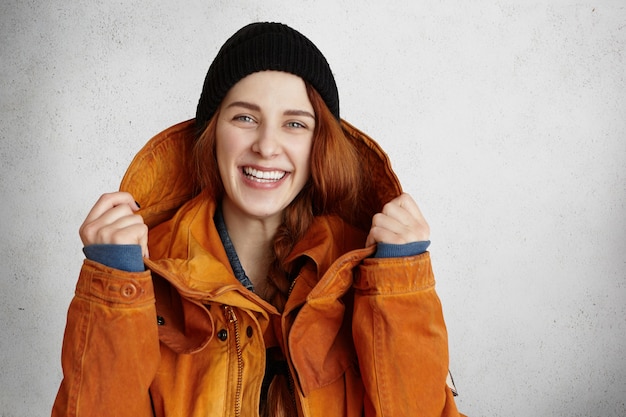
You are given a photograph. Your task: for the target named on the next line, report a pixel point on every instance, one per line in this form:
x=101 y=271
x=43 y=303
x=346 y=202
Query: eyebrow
x=299 y=113
x=254 y=107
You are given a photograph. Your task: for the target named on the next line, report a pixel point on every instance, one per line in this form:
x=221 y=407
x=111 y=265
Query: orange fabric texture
x=361 y=336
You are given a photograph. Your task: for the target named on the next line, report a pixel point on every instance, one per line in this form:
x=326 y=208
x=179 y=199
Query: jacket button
x=249 y=331
x=160 y=320
x=222 y=335
x=128 y=290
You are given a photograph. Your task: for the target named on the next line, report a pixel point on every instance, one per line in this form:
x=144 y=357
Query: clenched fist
x=400 y=221
x=113 y=220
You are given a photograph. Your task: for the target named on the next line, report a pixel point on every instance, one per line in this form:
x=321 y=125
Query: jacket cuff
x=113 y=287
x=395 y=275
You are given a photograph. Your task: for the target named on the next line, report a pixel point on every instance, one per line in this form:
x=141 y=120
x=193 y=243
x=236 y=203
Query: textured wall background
x=505 y=119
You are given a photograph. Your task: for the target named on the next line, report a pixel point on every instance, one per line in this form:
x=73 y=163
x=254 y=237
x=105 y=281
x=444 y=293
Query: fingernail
x=137 y=204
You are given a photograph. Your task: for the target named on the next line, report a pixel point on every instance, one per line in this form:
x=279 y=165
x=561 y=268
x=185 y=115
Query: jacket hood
x=161 y=175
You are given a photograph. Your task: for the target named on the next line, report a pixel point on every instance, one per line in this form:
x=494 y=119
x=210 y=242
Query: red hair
x=333 y=188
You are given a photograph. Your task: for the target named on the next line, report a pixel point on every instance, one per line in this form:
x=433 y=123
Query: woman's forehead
x=275 y=89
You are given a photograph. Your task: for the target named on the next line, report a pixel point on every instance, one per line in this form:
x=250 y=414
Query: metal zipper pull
x=230 y=314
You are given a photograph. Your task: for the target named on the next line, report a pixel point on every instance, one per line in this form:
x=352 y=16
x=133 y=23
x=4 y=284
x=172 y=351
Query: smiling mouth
x=263 y=176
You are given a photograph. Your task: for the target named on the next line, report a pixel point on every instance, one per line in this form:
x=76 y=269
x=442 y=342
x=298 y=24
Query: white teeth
x=263 y=175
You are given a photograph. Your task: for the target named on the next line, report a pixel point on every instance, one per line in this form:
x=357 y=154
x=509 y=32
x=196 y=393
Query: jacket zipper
x=232 y=318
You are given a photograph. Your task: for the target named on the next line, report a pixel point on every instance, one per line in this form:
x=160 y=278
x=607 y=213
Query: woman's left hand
x=400 y=221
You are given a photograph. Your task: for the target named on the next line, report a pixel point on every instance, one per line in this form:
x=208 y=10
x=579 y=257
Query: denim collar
x=240 y=274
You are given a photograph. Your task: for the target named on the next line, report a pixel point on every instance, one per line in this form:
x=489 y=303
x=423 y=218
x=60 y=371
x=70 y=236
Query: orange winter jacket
x=362 y=336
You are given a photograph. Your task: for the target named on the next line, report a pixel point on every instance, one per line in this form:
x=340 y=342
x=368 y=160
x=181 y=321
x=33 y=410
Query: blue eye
x=296 y=125
x=244 y=118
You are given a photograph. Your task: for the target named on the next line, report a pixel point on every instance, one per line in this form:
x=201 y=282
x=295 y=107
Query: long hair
x=333 y=187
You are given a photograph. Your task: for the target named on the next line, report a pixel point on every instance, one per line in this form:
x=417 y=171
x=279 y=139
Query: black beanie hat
x=265 y=46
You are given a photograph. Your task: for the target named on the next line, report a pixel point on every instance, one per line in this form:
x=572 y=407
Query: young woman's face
x=264 y=138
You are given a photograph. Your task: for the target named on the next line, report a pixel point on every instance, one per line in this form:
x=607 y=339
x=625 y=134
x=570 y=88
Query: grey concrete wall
x=506 y=120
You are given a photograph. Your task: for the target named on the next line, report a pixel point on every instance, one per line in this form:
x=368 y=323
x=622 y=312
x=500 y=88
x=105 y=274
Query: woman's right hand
x=113 y=220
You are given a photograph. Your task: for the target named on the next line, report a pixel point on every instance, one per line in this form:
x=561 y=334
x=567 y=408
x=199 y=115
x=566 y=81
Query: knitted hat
x=265 y=46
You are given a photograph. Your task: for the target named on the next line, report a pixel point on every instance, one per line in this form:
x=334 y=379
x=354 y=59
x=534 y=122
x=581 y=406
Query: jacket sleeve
x=401 y=339
x=111 y=347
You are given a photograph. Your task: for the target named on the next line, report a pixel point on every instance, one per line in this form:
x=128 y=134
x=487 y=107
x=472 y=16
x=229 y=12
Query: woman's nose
x=267 y=143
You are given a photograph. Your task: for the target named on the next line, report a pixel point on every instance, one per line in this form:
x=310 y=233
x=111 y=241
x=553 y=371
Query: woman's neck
x=252 y=239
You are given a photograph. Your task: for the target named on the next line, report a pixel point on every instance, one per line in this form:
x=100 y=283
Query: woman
x=274 y=266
